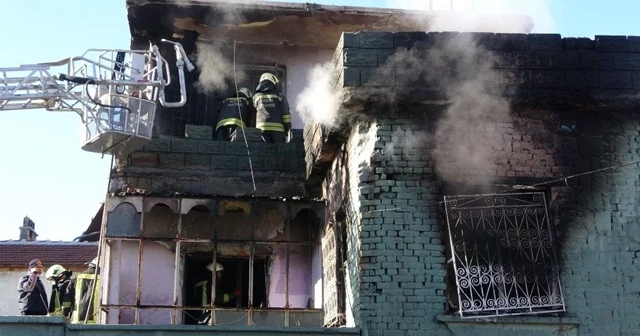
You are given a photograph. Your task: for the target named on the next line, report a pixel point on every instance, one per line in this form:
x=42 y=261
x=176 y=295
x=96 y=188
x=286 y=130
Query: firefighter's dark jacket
x=232 y=110
x=272 y=109
x=33 y=297
x=62 y=296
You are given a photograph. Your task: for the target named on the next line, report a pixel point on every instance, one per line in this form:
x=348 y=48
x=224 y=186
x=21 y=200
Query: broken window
x=334 y=258
x=177 y=261
x=502 y=255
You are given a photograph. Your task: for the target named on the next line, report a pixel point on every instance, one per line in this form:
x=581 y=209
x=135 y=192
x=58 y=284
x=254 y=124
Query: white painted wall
x=9 y=289
x=157 y=277
x=299 y=62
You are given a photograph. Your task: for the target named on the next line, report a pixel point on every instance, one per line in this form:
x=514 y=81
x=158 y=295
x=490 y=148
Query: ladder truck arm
x=113 y=90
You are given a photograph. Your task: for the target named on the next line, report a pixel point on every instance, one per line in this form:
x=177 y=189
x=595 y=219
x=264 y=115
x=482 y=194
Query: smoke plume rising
x=465 y=141
x=215 y=58
x=318 y=102
x=538 y=10
x=216 y=68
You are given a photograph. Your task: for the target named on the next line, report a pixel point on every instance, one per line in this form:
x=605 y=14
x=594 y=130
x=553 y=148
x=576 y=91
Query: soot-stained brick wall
x=197 y=165
x=405 y=150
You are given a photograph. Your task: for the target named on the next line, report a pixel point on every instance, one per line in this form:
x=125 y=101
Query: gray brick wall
x=397 y=237
x=400 y=164
x=541 y=61
x=198 y=165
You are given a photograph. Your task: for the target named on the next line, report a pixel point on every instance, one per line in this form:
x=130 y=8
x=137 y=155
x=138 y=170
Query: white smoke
x=318 y=102
x=216 y=68
x=538 y=10
x=464 y=143
x=215 y=58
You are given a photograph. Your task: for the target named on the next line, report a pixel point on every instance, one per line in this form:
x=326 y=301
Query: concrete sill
x=512 y=325
x=19 y=319
x=241 y=330
x=510 y=320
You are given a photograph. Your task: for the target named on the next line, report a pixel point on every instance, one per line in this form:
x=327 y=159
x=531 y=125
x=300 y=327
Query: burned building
x=487 y=183
x=186 y=204
x=444 y=184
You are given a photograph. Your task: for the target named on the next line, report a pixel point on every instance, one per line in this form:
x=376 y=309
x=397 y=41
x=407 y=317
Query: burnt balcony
x=197 y=165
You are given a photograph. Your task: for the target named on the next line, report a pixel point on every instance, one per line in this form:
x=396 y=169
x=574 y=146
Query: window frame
x=134 y=214
x=502 y=277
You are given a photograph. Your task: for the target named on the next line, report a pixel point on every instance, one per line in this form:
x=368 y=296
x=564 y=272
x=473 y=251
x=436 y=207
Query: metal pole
x=176 y=272
x=138 y=280
x=103 y=232
x=212 y=320
x=251 y=269
x=176 y=276
x=250 y=294
x=213 y=284
x=287 y=226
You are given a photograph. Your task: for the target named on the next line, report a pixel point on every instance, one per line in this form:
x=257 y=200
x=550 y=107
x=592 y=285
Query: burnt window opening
x=271 y=258
x=196 y=279
x=232 y=285
x=502 y=255
x=202 y=108
x=334 y=253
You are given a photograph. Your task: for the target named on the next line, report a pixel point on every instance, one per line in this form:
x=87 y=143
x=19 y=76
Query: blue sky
x=44 y=174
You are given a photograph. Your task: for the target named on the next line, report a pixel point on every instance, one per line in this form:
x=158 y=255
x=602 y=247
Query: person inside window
x=222 y=299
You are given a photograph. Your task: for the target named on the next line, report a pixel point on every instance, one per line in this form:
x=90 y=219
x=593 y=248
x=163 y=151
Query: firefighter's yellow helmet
x=54 y=272
x=270 y=77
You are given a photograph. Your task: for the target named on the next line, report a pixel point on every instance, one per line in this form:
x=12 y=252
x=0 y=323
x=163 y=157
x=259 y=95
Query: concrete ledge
x=171 y=329
x=32 y=325
x=58 y=326
x=516 y=325
x=32 y=320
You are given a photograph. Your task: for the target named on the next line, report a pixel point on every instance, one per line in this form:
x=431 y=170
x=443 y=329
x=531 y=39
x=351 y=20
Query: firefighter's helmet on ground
x=270 y=77
x=55 y=271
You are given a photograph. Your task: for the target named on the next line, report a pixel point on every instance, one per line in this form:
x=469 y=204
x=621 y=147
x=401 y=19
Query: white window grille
x=503 y=255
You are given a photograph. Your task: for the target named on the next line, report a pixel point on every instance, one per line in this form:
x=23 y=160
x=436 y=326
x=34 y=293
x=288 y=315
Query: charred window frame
x=174 y=230
x=502 y=255
x=202 y=108
x=334 y=253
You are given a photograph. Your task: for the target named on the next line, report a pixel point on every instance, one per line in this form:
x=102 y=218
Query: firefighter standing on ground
x=272 y=110
x=235 y=112
x=86 y=301
x=33 y=297
x=62 y=291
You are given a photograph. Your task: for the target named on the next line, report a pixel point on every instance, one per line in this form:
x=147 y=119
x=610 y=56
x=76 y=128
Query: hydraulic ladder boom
x=113 y=90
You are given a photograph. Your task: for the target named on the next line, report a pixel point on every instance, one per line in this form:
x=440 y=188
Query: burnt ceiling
x=277 y=23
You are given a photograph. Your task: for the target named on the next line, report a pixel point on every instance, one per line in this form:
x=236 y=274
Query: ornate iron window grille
x=503 y=255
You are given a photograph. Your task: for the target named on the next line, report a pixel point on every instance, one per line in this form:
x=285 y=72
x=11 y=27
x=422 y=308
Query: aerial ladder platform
x=114 y=91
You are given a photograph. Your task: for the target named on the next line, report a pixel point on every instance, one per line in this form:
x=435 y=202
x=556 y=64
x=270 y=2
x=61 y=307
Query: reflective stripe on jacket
x=272 y=112
x=62 y=297
x=234 y=111
x=202 y=290
x=86 y=304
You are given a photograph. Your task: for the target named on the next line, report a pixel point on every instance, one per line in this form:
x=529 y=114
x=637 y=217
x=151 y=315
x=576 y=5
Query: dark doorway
x=233 y=279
